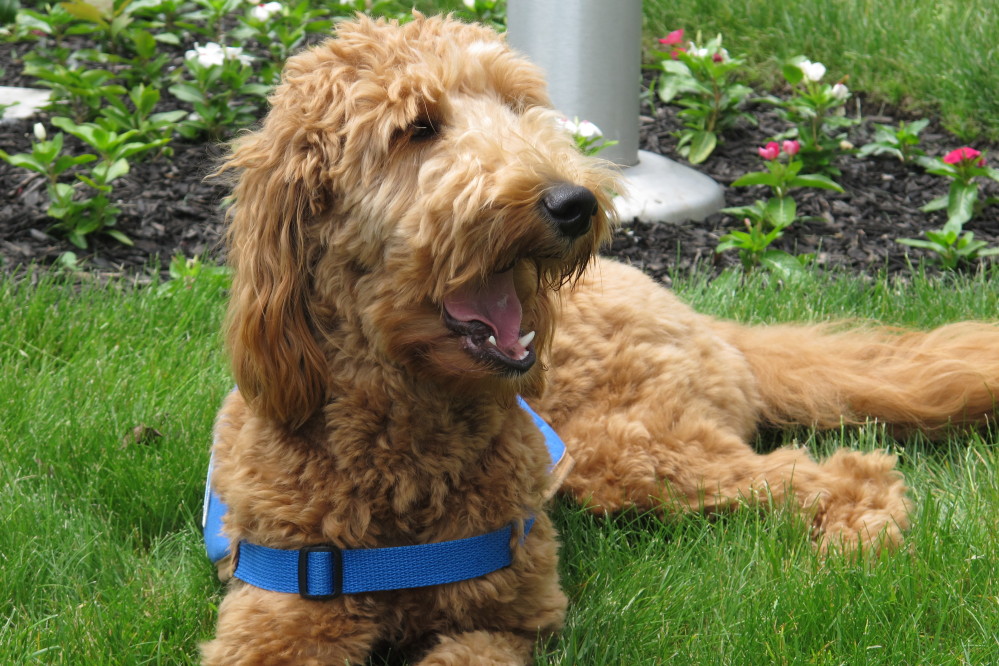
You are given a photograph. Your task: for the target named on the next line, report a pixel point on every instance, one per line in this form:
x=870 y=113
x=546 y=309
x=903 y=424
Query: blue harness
x=325 y=571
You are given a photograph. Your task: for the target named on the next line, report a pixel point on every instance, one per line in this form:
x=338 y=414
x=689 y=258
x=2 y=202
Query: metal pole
x=591 y=53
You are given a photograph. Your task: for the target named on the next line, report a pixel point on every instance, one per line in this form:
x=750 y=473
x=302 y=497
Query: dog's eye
x=422 y=130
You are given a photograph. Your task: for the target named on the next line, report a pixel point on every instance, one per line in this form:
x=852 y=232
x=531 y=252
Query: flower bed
x=164 y=105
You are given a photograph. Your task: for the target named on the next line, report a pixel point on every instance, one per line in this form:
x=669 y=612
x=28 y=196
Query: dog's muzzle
x=569 y=209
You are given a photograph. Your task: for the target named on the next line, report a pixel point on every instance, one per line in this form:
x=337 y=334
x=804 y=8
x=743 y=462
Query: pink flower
x=717 y=57
x=672 y=38
x=675 y=53
x=770 y=151
x=964 y=154
x=791 y=148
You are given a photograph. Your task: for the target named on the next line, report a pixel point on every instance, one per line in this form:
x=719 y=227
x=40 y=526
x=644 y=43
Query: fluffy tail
x=826 y=374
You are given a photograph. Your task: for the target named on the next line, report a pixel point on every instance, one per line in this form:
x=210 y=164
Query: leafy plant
x=109 y=19
x=766 y=220
x=8 y=11
x=487 y=12
x=46 y=158
x=148 y=126
x=207 y=20
x=54 y=24
x=950 y=244
x=818 y=113
x=79 y=213
x=148 y=63
x=962 y=166
x=588 y=137
x=77 y=92
x=184 y=272
x=221 y=91
x=281 y=30
x=702 y=79
x=900 y=142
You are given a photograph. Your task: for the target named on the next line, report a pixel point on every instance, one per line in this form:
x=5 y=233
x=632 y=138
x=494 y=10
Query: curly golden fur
x=407 y=212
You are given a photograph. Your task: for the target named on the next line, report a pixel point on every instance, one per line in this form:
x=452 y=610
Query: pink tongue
x=495 y=304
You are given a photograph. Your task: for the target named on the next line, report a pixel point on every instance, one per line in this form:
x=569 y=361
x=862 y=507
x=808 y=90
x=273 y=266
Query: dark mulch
x=169 y=207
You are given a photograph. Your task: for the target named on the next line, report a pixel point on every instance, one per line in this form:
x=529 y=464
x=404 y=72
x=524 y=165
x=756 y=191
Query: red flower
x=672 y=38
x=770 y=151
x=675 y=53
x=791 y=148
x=964 y=154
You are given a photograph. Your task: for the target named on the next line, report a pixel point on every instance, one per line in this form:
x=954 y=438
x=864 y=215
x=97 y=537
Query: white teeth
x=526 y=340
x=491 y=340
x=522 y=356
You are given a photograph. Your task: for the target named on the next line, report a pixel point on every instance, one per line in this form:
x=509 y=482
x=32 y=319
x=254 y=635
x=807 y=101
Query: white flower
x=265 y=11
x=813 y=71
x=587 y=130
x=840 y=92
x=212 y=54
x=39 y=131
x=470 y=4
x=695 y=50
x=567 y=125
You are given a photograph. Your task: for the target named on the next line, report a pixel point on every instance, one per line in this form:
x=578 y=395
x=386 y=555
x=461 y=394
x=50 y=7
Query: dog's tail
x=827 y=374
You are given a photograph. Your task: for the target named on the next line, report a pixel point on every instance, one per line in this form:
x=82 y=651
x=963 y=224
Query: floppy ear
x=276 y=360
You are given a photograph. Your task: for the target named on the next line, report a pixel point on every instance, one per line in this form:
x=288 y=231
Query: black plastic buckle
x=336 y=576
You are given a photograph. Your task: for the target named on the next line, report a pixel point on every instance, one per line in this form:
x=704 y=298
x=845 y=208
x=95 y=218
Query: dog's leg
x=851 y=499
x=260 y=627
x=480 y=647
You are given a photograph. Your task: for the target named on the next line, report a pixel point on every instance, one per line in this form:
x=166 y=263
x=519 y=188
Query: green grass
x=925 y=55
x=102 y=560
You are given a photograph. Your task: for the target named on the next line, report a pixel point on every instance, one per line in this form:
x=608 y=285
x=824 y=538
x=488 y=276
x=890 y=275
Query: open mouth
x=487 y=318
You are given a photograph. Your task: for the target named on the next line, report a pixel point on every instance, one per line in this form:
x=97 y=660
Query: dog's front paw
x=480 y=648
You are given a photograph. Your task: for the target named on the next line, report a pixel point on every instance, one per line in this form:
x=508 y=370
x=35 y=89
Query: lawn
x=109 y=395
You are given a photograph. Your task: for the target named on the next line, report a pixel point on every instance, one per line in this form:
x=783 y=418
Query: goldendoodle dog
x=413 y=240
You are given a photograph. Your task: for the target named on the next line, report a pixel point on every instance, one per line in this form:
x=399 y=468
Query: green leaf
x=937 y=204
x=187 y=93
x=816 y=180
x=701 y=146
x=116 y=169
x=943 y=238
x=783 y=264
x=84 y=10
x=77 y=239
x=915 y=242
x=25 y=161
x=120 y=237
x=781 y=211
x=792 y=73
x=167 y=38
x=756 y=178
x=960 y=203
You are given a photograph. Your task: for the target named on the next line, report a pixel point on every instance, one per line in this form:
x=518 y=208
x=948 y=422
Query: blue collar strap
x=325 y=571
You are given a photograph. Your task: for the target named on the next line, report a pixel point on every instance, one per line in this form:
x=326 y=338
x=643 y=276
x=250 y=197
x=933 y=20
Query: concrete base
x=658 y=189
x=28 y=101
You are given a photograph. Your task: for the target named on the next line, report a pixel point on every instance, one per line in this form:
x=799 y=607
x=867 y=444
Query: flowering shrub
x=962 y=166
x=901 y=142
x=765 y=221
x=818 y=113
x=702 y=79
x=220 y=89
x=950 y=244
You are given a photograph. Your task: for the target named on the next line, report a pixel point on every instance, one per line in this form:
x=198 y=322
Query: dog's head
x=411 y=201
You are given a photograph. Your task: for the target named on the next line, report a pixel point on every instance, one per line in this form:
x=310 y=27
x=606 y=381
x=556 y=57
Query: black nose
x=570 y=208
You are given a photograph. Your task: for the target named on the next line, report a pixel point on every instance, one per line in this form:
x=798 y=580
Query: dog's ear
x=276 y=359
